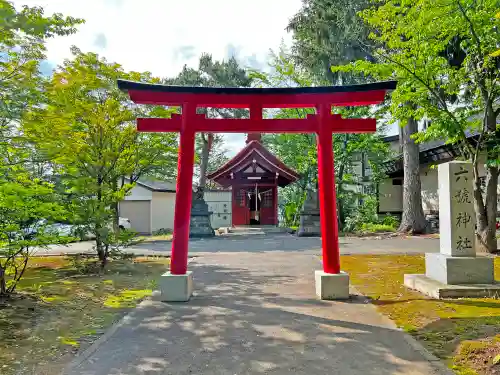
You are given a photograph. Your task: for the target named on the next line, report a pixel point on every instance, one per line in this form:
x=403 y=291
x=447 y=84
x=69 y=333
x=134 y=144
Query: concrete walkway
x=255 y=313
x=268 y=242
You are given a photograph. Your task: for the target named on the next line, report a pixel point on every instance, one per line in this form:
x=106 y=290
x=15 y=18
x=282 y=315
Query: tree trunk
x=413 y=220
x=486 y=211
x=205 y=153
x=3 y=283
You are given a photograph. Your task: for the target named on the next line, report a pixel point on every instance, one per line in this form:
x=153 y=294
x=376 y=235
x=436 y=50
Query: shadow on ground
x=242 y=322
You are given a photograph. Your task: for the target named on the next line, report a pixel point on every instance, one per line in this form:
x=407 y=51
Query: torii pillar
x=331 y=283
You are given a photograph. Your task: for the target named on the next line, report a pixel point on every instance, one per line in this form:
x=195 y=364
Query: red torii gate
x=323 y=123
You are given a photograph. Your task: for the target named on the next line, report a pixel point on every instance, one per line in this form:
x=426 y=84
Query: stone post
x=200 y=225
x=455 y=271
x=310 y=225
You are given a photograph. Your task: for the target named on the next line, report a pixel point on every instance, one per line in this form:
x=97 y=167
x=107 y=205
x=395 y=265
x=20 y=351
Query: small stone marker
x=456 y=271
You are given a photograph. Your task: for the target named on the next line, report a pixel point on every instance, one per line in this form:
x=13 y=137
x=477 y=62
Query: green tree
x=22 y=48
x=210 y=73
x=443 y=54
x=24 y=201
x=299 y=151
x=88 y=129
x=331 y=33
x=26 y=209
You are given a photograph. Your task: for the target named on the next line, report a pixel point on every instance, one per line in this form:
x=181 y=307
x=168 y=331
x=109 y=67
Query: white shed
x=150 y=206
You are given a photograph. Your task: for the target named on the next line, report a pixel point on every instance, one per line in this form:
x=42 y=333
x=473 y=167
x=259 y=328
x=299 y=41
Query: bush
x=365 y=219
x=376 y=228
x=391 y=221
x=162 y=232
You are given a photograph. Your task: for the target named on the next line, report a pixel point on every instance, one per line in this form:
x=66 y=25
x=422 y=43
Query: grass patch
x=58 y=311
x=463 y=332
x=152 y=238
x=377 y=228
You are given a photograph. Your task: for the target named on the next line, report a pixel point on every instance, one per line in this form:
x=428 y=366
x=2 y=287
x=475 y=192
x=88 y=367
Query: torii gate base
x=331 y=283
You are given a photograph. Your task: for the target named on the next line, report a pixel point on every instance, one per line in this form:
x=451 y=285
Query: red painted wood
x=323 y=124
x=183 y=196
x=308 y=125
x=254 y=150
x=267 y=213
x=275 y=192
x=308 y=100
x=327 y=199
x=240 y=214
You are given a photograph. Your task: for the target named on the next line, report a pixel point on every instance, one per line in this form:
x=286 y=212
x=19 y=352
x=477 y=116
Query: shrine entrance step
x=250 y=229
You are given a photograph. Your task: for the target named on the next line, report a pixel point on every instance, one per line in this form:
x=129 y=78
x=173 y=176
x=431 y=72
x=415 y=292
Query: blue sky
x=161 y=36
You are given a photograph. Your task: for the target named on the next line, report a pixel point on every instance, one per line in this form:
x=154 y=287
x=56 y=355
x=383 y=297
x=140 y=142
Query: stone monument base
x=200 y=225
x=455 y=277
x=175 y=288
x=309 y=224
x=436 y=289
x=332 y=286
x=459 y=270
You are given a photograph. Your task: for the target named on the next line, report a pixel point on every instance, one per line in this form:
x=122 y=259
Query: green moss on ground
x=59 y=311
x=460 y=331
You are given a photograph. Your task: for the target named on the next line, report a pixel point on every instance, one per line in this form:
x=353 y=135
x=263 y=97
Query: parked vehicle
x=124 y=223
x=71 y=230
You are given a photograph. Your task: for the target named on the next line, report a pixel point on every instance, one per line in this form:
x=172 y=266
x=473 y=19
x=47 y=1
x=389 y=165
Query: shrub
x=365 y=219
x=162 y=232
x=391 y=221
x=376 y=228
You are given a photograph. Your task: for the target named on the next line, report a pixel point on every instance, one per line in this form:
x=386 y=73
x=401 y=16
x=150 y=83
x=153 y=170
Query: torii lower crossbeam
x=323 y=123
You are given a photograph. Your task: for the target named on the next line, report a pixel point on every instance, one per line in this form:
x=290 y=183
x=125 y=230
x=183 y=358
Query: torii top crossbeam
x=323 y=123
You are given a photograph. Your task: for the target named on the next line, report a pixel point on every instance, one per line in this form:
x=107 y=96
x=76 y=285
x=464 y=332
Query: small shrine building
x=254 y=176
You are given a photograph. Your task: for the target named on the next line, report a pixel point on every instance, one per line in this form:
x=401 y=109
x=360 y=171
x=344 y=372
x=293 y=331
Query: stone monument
x=309 y=216
x=456 y=271
x=200 y=225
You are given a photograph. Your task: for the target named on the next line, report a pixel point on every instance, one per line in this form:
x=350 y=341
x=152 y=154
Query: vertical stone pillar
x=456 y=209
x=456 y=263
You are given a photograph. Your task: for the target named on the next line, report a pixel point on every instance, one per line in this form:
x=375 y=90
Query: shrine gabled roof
x=243 y=157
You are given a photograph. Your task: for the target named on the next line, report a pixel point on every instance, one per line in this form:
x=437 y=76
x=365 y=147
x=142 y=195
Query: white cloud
x=161 y=36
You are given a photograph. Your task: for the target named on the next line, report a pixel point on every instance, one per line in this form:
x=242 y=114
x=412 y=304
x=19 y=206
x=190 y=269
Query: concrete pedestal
x=459 y=270
x=176 y=288
x=331 y=286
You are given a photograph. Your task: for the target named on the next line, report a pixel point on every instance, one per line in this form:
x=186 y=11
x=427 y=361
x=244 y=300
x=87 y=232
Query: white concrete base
x=436 y=289
x=176 y=288
x=459 y=270
x=332 y=286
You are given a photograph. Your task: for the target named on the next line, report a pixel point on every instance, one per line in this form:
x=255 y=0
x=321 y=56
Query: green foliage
x=390 y=220
x=27 y=203
x=364 y=213
x=376 y=228
x=26 y=209
x=329 y=32
x=162 y=232
x=442 y=53
x=209 y=147
x=364 y=218
x=299 y=151
x=88 y=131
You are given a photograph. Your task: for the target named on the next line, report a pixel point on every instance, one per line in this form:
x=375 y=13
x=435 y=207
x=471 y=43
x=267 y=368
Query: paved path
x=271 y=242
x=255 y=313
